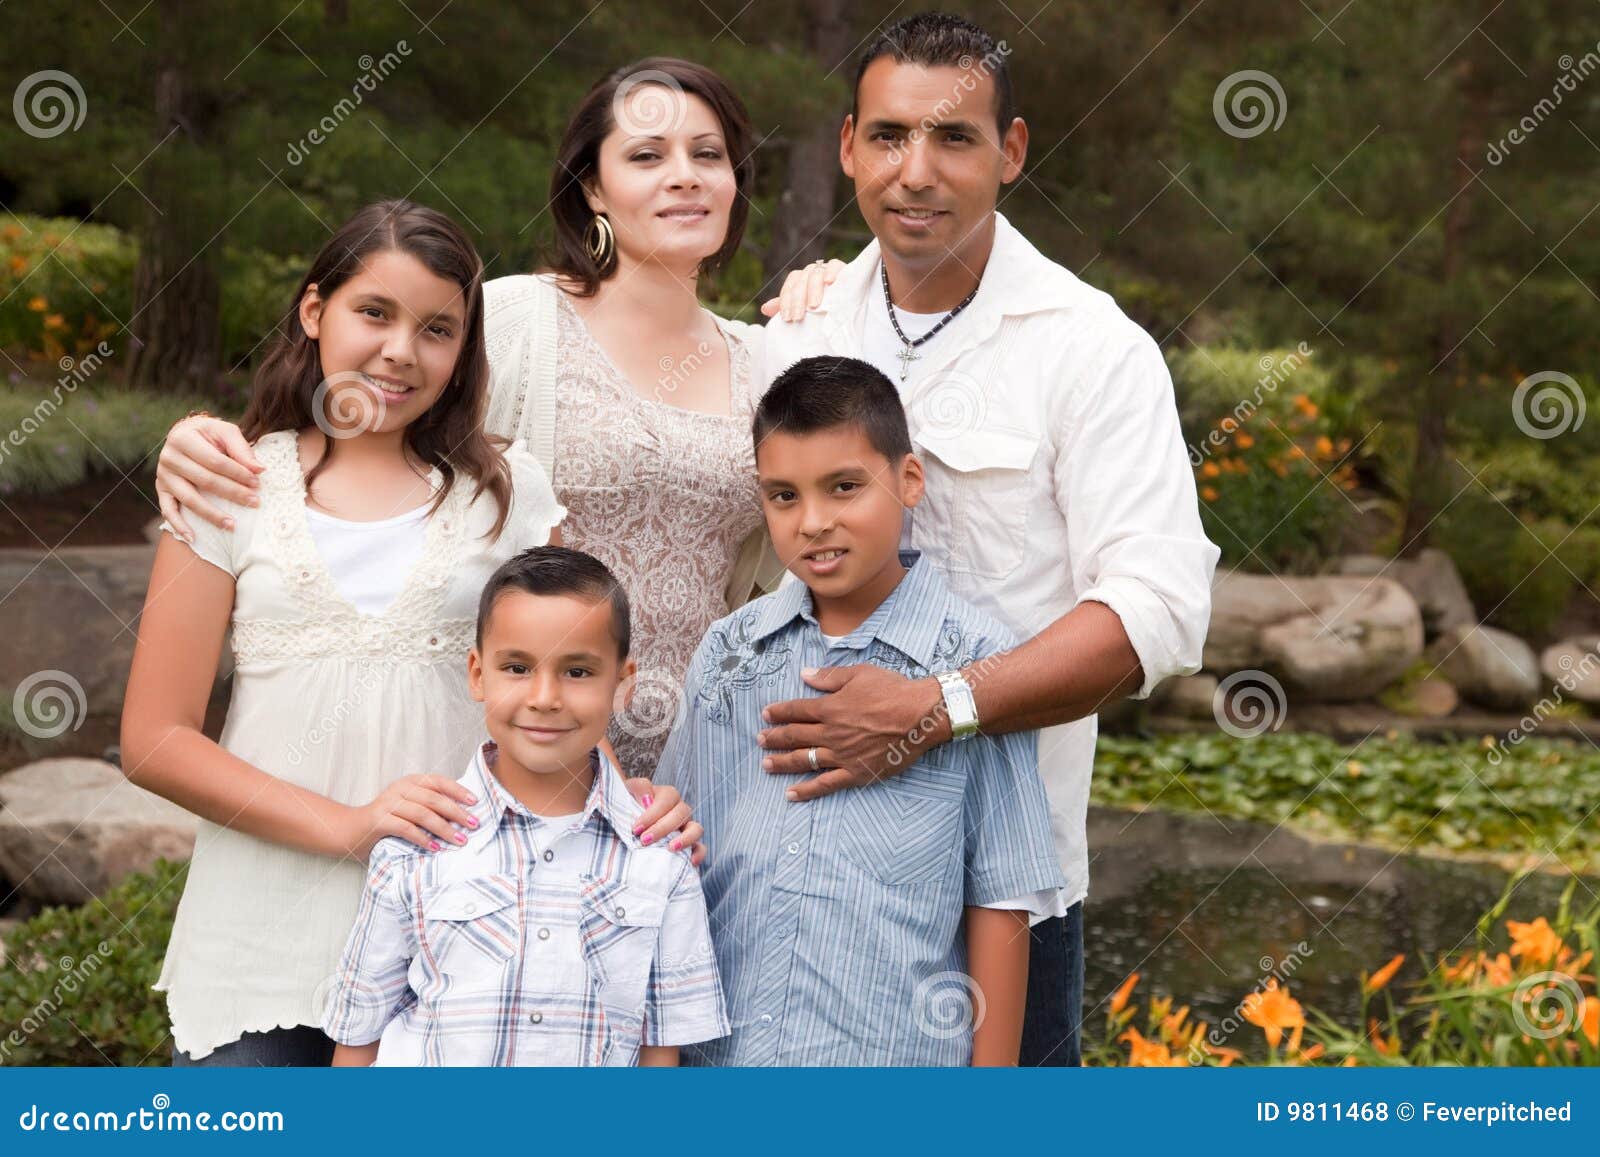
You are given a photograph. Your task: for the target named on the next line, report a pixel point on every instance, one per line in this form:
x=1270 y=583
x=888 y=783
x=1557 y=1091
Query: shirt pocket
x=472 y=927
x=980 y=484
x=906 y=829
x=619 y=928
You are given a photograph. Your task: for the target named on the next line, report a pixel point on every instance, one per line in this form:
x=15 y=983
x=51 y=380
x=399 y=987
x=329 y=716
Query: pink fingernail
x=646 y=838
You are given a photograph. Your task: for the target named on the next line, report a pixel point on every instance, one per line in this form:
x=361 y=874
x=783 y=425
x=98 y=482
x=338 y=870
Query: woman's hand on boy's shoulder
x=666 y=819
x=872 y=723
x=204 y=455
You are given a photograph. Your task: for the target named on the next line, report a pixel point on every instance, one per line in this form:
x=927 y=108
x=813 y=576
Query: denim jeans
x=1052 y=1021
x=301 y=1046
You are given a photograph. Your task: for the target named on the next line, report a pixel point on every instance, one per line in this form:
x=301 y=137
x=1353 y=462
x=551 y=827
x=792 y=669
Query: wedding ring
x=811 y=757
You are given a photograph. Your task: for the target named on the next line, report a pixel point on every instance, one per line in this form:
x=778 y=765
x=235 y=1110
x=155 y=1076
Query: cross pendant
x=908 y=354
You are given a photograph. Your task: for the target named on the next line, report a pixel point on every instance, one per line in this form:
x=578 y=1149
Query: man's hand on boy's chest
x=871 y=723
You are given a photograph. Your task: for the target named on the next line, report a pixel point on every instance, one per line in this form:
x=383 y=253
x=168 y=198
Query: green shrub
x=53 y=435
x=75 y=989
x=1262 y=427
x=63 y=283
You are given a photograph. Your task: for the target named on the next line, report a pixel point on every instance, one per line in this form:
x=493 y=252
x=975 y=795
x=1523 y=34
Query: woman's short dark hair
x=559 y=570
x=577 y=161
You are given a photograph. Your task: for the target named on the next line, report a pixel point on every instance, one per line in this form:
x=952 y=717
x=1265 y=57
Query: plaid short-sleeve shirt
x=539 y=942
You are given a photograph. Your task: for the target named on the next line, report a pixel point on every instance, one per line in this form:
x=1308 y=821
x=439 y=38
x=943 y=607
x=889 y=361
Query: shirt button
x=544 y=934
x=548 y=855
x=535 y=1017
x=794 y=849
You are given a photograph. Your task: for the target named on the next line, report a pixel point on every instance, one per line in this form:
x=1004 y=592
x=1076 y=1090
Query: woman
x=635 y=398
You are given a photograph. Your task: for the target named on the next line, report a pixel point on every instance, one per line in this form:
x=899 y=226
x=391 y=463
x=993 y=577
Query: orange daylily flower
x=1272 y=1010
x=1119 y=998
x=1226 y=1055
x=1536 y=943
x=1144 y=1053
x=1385 y=974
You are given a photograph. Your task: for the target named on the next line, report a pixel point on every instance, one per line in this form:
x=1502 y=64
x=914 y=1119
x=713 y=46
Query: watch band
x=958 y=704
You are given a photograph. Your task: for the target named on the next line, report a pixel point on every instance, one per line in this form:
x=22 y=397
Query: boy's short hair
x=937 y=39
x=553 y=571
x=822 y=393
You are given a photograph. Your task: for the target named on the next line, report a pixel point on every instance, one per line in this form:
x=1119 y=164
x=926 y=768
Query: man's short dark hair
x=823 y=393
x=939 y=40
x=554 y=571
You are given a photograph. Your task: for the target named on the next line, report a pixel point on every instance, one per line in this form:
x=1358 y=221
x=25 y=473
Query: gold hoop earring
x=601 y=242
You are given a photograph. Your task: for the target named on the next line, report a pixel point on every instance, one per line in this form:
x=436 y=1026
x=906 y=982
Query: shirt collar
x=609 y=798
x=1017 y=279
x=908 y=620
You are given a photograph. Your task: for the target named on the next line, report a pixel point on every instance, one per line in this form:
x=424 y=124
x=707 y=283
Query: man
x=1059 y=495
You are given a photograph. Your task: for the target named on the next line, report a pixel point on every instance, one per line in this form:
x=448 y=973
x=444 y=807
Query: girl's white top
x=335 y=701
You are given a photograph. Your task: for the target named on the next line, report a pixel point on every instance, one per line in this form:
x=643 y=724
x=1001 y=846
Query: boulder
x=71 y=828
x=1490 y=667
x=1190 y=696
x=1573 y=667
x=1327 y=637
x=1431 y=578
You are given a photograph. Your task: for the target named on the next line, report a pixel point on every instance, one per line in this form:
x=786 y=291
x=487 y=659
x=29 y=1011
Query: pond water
x=1206 y=909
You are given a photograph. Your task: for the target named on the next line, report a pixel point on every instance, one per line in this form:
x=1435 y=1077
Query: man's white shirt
x=1056 y=472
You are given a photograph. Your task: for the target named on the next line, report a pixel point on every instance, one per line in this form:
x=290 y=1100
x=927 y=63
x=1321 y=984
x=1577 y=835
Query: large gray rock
x=1432 y=579
x=1573 y=667
x=71 y=828
x=1327 y=637
x=1490 y=667
x=71 y=620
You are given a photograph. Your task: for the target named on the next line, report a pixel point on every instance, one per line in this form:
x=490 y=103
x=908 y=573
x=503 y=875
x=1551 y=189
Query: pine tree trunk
x=176 y=326
x=806 y=205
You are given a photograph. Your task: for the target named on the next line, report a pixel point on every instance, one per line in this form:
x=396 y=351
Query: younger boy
x=553 y=936
x=886 y=925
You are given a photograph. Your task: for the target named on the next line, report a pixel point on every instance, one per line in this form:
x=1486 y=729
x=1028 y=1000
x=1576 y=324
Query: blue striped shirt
x=838 y=923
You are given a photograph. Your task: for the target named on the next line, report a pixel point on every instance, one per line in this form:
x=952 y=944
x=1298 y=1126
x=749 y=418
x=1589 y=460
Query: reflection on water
x=1206 y=909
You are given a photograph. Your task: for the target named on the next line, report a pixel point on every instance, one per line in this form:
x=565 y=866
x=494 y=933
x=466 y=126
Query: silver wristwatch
x=959 y=704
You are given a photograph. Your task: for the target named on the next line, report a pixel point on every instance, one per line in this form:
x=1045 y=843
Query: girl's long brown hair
x=450 y=434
